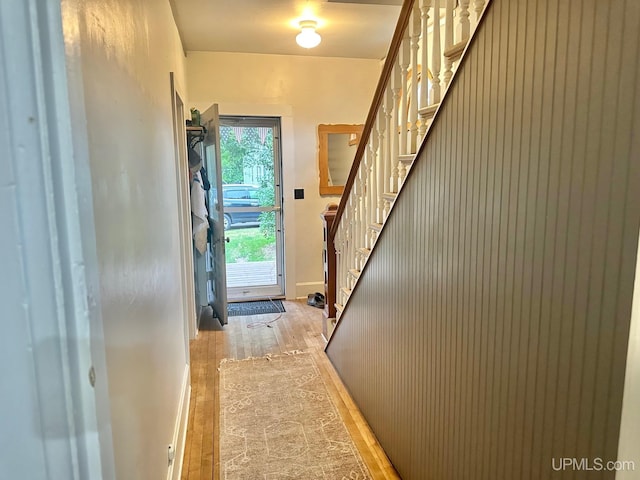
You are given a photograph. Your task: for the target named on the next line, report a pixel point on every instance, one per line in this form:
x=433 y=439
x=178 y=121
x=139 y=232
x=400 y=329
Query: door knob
x=227 y=239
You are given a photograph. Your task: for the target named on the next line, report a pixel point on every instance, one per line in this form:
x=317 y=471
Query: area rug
x=277 y=422
x=255 y=308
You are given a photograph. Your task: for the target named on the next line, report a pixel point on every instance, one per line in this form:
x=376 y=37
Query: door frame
x=187 y=281
x=236 y=294
x=287 y=133
x=42 y=89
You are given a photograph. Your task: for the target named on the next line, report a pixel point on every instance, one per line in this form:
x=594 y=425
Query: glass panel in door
x=252 y=206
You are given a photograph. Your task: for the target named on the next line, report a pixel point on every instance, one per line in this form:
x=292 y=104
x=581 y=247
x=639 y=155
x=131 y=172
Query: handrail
x=390 y=149
x=397 y=128
x=392 y=55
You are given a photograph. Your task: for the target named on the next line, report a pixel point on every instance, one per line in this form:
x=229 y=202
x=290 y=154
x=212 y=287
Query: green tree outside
x=248 y=153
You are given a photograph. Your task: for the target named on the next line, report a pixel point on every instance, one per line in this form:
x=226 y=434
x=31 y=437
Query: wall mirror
x=337 y=145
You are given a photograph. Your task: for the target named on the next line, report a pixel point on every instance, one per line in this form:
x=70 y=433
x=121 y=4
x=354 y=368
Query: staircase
x=429 y=41
x=486 y=289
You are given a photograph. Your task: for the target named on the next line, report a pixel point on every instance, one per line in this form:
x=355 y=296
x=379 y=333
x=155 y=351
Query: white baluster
x=402 y=173
x=371 y=198
x=366 y=217
x=364 y=239
x=373 y=194
x=364 y=200
x=351 y=233
x=388 y=164
x=338 y=243
x=363 y=220
x=436 y=54
x=425 y=5
x=414 y=28
x=463 y=13
x=386 y=208
x=405 y=60
x=346 y=252
x=382 y=153
x=448 y=41
x=396 y=87
x=373 y=236
x=357 y=210
x=353 y=239
x=478 y=7
x=355 y=236
x=448 y=24
x=345 y=262
x=340 y=253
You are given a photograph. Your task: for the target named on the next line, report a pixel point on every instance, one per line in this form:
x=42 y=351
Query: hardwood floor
x=299 y=328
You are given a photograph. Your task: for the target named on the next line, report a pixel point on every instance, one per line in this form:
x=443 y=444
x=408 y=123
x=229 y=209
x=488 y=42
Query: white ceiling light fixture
x=308 y=37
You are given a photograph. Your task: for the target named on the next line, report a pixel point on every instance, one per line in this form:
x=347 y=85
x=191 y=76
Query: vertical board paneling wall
x=487 y=335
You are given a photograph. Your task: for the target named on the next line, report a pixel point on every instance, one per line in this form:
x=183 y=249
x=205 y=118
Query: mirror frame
x=323 y=153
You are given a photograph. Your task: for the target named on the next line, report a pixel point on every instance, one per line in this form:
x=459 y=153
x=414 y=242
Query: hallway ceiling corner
x=349 y=28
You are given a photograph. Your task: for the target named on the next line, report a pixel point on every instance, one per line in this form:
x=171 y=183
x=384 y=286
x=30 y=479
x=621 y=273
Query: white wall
x=304 y=91
x=629 y=446
x=126 y=49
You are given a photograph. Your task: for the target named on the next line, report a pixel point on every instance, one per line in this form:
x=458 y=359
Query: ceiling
x=349 y=28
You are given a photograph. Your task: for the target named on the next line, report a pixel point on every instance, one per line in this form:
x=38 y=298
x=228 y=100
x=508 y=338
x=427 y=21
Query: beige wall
x=304 y=91
x=126 y=49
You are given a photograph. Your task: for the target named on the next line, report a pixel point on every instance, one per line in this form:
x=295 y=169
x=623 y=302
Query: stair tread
x=428 y=111
x=454 y=52
x=375 y=226
x=346 y=290
x=406 y=158
x=355 y=272
x=365 y=251
x=339 y=307
x=390 y=195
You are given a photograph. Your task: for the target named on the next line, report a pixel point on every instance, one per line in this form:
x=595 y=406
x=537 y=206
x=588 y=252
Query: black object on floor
x=255 y=308
x=315 y=300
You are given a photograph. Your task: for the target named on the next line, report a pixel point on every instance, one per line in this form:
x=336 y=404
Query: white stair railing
x=407 y=98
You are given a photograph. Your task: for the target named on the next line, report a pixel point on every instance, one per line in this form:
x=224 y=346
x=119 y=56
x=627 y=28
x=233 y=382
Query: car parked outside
x=240 y=196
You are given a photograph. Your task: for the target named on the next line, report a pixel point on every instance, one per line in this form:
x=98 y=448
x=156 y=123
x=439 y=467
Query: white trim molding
x=180 y=432
x=60 y=403
x=305 y=288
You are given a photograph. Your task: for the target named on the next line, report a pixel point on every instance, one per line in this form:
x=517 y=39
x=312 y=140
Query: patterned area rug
x=255 y=308
x=277 y=422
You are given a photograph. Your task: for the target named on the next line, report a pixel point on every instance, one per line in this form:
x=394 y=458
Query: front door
x=252 y=200
x=217 y=277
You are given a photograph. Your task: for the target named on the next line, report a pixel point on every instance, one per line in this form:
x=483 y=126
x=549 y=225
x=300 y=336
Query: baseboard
x=304 y=289
x=180 y=431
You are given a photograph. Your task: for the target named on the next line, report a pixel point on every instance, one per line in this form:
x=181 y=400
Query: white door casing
x=56 y=421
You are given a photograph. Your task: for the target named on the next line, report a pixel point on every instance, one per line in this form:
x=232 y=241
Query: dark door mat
x=255 y=308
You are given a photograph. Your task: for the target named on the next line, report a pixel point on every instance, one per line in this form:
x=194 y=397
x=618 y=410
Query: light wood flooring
x=298 y=329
